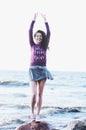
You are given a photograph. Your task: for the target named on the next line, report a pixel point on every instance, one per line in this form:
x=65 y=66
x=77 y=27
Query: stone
x=34 y=126
x=77 y=125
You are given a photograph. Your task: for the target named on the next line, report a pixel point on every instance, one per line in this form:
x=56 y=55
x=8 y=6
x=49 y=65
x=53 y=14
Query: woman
x=38 y=72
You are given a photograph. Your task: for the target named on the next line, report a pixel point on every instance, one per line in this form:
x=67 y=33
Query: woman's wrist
x=35 y=16
x=45 y=20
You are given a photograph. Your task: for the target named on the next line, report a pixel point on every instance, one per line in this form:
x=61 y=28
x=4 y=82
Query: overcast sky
x=67 y=20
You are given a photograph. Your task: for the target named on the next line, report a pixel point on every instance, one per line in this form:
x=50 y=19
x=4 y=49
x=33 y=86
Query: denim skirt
x=37 y=73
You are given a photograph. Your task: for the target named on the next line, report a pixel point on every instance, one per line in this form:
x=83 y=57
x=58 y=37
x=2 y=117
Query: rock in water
x=77 y=125
x=34 y=126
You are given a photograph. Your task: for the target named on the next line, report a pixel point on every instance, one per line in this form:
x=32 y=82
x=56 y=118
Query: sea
x=64 y=99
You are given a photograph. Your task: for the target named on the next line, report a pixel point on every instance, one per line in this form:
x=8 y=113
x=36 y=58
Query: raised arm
x=31 y=30
x=47 y=26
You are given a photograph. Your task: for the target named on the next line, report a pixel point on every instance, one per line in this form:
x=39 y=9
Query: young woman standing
x=38 y=73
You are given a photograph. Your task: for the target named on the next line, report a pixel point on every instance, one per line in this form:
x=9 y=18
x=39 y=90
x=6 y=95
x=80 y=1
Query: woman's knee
x=34 y=97
x=39 y=95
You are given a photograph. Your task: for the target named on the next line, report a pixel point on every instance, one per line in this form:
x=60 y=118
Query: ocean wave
x=8 y=106
x=54 y=109
x=9 y=122
x=13 y=83
x=66 y=109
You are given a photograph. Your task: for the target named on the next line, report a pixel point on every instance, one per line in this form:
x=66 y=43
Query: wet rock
x=34 y=126
x=77 y=125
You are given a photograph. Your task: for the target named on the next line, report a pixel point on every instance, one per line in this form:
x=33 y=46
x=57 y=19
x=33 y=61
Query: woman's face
x=38 y=38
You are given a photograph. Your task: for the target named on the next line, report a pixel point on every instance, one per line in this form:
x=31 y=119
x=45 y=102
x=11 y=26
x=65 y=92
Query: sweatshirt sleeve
x=30 y=33
x=48 y=30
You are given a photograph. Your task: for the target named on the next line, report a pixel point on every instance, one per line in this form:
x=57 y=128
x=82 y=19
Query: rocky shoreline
x=78 y=124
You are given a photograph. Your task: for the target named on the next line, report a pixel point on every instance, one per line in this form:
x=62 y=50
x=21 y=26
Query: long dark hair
x=45 y=40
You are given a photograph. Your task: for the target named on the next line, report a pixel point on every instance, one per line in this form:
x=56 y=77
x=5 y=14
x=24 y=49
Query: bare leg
x=40 y=88
x=34 y=93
